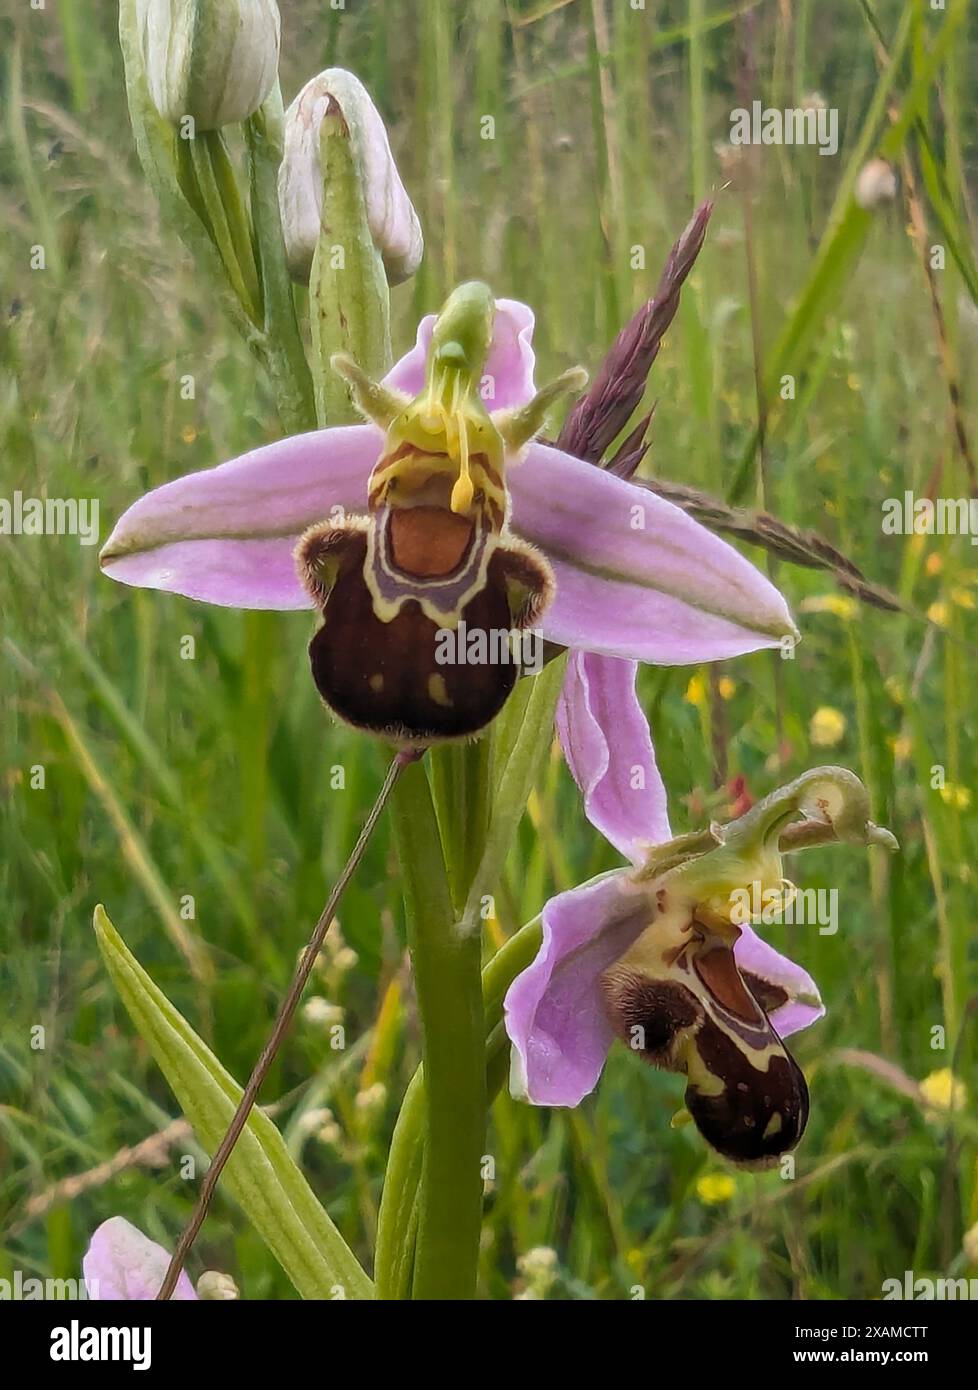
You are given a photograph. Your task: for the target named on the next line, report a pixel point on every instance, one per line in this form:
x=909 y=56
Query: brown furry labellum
x=688 y=1008
x=390 y=586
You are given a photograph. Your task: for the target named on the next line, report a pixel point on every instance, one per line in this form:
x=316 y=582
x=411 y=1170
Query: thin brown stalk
x=279 y=1029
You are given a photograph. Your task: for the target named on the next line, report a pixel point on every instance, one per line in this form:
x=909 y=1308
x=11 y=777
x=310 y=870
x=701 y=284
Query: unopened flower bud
x=213 y=60
x=321 y=1013
x=214 y=1285
x=372 y=1099
x=539 y=1268
x=345 y=958
x=538 y=1263
x=876 y=184
x=311 y=1120
x=393 y=223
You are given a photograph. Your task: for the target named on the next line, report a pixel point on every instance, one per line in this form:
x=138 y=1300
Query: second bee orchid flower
x=663 y=956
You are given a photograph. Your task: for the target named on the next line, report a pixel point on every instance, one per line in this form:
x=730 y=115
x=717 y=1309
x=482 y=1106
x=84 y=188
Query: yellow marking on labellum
x=774 y=1126
x=700 y=1077
x=437 y=691
x=376 y=682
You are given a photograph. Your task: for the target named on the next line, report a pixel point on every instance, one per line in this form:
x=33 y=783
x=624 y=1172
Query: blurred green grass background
x=213 y=776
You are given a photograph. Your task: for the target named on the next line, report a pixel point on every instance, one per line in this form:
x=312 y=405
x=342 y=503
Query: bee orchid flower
x=442 y=509
x=663 y=955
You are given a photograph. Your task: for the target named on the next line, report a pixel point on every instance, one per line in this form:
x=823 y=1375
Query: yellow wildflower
x=696 y=691
x=952 y=794
x=714 y=1188
x=827 y=727
x=840 y=604
x=942 y=1090
x=902 y=748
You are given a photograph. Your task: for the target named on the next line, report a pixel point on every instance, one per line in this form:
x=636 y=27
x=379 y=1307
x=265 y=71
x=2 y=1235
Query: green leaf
x=260 y=1174
x=521 y=738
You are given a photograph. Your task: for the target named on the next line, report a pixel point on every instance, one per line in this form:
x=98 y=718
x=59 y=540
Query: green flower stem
x=448 y=982
x=499 y=770
x=398 y=1220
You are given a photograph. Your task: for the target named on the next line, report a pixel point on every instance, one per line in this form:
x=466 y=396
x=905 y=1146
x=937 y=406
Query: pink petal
x=122 y=1263
x=555 y=1014
x=606 y=741
x=226 y=535
x=804 y=1005
x=509 y=370
x=666 y=590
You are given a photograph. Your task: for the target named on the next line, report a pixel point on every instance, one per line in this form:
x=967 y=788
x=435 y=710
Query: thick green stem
x=398 y=1218
x=504 y=772
x=449 y=989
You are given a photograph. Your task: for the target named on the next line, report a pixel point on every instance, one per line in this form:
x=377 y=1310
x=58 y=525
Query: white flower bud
x=346 y=958
x=538 y=1263
x=876 y=184
x=539 y=1268
x=314 y=1119
x=212 y=1284
x=393 y=223
x=373 y=1098
x=213 y=60
x=321 y=1013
